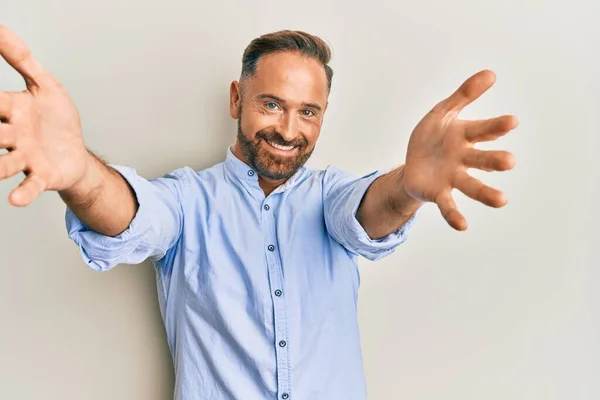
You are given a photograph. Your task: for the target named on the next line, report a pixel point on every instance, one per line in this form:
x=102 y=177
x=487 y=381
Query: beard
x=270 y=165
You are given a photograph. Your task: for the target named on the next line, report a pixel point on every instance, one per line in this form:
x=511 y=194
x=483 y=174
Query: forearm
x=102 y=199
x=386 y=206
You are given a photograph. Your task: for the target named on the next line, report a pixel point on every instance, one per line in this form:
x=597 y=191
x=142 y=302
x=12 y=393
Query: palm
x=41 y=128
x=59 y=142
x=441 y=150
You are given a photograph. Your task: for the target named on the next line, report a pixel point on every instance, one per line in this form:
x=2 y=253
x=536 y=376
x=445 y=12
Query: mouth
x=287 y=150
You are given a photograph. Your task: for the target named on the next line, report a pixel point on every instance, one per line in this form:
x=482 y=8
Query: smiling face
x=280 y=111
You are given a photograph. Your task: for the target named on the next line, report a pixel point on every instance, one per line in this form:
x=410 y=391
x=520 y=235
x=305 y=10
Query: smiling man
x=280 y=106
x=256 y=257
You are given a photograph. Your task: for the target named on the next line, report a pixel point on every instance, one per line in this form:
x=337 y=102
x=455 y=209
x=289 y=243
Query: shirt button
x=250 y=173
x=278 y=293
x=282 y=343
x=285 y=396
x=266 y=207
x=271 y=247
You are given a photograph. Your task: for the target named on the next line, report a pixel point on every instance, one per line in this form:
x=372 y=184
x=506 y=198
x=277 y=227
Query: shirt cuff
x=359 y=240
x=101 y=252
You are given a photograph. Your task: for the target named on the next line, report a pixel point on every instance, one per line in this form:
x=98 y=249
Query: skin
x=440 y=151
x=285 y=102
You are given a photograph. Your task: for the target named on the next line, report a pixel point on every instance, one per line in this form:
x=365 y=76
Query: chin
x=276 y=173
x=276 y=168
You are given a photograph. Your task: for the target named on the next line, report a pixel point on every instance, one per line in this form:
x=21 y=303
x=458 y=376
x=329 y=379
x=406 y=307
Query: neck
x=268 y=185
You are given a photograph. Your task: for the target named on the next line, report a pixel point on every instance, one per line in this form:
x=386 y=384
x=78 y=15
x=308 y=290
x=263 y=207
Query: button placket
x=275 y=274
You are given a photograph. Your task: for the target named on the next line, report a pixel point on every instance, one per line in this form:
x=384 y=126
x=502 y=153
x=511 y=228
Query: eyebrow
x=267 y=96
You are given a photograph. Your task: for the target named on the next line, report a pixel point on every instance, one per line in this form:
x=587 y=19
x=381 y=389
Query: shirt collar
x=249 y=177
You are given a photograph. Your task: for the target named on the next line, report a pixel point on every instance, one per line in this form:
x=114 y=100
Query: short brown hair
x=287 y=41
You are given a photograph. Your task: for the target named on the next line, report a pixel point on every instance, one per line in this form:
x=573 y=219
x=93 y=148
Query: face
x=280 y=112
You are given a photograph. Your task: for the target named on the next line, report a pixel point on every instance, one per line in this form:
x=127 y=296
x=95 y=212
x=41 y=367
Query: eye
x=308 y=113
x=271 y=105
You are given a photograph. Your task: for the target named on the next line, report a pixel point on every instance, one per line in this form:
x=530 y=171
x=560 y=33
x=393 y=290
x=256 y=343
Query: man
x=256 y=257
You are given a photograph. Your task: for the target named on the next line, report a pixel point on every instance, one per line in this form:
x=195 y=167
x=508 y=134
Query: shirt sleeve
x=154 y=229
x=343 y=194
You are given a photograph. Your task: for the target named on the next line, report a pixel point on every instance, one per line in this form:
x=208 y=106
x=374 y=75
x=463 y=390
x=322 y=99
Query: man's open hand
x=40 y=128
x=441 y=149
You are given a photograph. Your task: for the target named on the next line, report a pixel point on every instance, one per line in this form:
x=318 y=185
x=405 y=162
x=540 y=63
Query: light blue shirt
x=258 y=294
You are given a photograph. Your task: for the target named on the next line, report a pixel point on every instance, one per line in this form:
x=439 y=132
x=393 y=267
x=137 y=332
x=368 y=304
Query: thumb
x=469 y=91
x=17 y=54
x=27 y=191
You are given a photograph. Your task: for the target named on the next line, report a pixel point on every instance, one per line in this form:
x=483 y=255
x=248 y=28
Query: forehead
x=291 y=76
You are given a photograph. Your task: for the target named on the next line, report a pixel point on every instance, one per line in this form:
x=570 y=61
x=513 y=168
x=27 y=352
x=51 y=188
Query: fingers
x=489 y=129
x=18 y=55
x=450 y=212
x=11 y=164
x=469 y=91
x=27 y=191
x=7 y=136
x=478 y=191
x=489 y=160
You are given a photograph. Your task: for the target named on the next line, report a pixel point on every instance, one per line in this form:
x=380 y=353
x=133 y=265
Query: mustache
x=275 y=137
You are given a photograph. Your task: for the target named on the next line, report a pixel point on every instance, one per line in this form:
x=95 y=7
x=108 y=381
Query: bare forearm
x=386 y=206
x=102 y=199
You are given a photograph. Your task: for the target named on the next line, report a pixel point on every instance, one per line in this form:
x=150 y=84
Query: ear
x=235 y=100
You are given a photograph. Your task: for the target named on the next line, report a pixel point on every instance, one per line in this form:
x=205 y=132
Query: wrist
x=90 y=180
x=403 y=203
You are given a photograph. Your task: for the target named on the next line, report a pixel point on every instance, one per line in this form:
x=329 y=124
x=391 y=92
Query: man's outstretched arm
x=113 y=214
x=41 y=130
x=440 y=151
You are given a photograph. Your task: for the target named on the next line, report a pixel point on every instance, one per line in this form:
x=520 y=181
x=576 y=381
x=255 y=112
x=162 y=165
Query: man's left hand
x=441 y=150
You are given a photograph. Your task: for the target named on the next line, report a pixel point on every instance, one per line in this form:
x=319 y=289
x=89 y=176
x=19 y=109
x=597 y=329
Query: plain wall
x=506 y=310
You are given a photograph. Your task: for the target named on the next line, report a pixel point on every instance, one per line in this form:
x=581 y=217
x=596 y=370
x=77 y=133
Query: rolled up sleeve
x=154 y=229
x=343 y=194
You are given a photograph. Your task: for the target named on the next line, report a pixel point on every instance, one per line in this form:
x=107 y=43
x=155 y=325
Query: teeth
x=280 y=147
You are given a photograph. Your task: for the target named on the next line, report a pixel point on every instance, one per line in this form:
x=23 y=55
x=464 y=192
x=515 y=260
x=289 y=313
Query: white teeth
x=280 y=147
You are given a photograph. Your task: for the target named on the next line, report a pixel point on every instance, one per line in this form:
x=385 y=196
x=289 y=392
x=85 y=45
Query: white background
x=507 y=310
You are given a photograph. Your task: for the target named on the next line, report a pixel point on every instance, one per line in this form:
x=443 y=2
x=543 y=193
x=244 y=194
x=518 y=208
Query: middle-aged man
x=256 y=257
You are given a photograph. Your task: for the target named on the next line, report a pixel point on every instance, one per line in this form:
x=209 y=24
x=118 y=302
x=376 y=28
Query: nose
x=289 y=127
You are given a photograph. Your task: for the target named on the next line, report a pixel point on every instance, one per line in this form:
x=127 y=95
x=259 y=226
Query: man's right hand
x=40 y=128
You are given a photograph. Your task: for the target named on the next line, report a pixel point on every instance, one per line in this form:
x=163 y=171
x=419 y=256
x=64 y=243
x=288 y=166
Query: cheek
x=311 y=132
x=253 y=122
